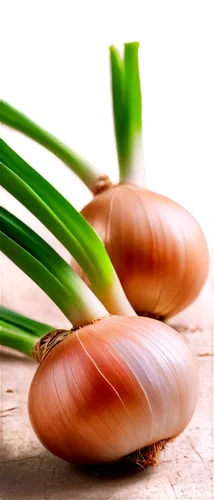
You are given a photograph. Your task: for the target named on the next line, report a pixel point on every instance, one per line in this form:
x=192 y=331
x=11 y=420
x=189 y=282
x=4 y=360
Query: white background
x=55 y=68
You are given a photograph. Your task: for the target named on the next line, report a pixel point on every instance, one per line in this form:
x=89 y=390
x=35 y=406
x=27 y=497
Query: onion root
x=147 y=456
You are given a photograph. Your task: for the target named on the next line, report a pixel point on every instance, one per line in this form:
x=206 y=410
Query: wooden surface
x=28 y=471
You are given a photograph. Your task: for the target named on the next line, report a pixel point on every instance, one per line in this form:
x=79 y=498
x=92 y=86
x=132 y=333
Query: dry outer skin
x=29 y=472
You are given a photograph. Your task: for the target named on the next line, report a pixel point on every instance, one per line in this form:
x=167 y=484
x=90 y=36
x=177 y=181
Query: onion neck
x=101 y=184
x=132 y=167
x=131 y=170
x=117 y=301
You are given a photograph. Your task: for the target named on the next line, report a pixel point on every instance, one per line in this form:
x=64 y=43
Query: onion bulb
x=114 y=386
x=156 y=247
x=110 y=388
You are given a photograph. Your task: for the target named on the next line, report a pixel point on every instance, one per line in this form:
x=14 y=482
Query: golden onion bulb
x=156 y=247
x=113 y=387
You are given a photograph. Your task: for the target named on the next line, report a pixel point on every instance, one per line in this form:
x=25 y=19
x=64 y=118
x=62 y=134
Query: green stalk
x=69 y=227
x=15 y=119
x=127 y=109
x=117 y=75
x=133 y=88
x=26 y=324
x=49 y=271
x=16 y=338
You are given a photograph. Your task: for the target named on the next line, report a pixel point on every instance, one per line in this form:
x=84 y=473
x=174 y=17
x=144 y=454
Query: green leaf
x=133 y=87
x=17 y=120
x=127 y=107
x=57 y=214
x=48 y=270
x=69 y=227
x=118 y=96
x=16 y=338
x=26 y=324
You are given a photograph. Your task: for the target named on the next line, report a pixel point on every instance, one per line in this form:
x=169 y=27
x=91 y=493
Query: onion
x=156 y=247
x=112 y=387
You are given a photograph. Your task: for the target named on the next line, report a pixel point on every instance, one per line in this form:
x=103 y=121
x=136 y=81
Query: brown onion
x=156 y=247
x=113 y=387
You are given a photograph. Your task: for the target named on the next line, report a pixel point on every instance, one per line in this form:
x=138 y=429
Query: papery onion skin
x=156 y=247
x=113 y=387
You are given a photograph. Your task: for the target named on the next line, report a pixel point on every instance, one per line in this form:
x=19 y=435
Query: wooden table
x=29 y=472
